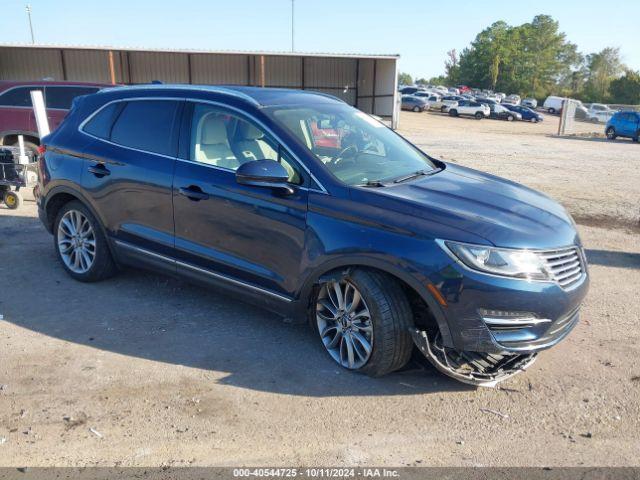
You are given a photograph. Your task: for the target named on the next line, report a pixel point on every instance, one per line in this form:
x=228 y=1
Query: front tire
x=81 y=245
x=416 y=109
x=363 y=319
x=611 y=133
x=453 y=113
x=552 y=111
x=510 y=118
x=443 y=109
x=479 y=115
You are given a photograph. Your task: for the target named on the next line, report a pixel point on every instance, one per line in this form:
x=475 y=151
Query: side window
x=17 y=97
x=62 y=97
x=147 y=125
x=101 y=123
x=226 y=140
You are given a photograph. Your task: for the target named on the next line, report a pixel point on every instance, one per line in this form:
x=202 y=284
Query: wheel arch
x=411 y=285
x=58 y=197
x=10 y=137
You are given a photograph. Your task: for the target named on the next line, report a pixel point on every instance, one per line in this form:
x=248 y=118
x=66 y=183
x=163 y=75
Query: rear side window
x=101 y=123
x=147 y=125
x=17 y=97
x=62 y=97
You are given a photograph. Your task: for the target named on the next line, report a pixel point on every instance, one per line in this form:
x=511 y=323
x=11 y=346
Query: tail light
x=41 y=149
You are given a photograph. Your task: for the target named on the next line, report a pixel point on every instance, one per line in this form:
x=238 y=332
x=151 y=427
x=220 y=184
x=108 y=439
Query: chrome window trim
x=203 y=270
x=210 y=102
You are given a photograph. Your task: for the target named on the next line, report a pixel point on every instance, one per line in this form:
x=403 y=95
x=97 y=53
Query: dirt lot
x=169 y=374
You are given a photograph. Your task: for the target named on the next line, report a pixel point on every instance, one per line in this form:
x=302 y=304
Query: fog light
x=502 y=318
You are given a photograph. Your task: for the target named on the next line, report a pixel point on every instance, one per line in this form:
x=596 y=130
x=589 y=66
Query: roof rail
x=201 y=88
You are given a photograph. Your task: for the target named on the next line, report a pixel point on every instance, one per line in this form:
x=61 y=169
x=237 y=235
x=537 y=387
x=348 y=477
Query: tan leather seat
x=213 y=146
x=251 y=145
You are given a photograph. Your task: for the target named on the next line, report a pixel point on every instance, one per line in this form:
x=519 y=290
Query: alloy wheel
x=345 y=325
x=76 y=241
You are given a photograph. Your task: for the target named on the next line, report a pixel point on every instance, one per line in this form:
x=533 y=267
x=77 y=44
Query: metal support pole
x=33 y=38
x=262 y=71
x=293 y=49
x=112 y=70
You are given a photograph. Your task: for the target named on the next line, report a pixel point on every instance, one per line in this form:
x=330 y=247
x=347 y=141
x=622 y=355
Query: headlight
x=500 y=261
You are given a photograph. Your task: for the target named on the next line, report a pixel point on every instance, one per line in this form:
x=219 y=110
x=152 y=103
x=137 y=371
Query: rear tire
x=416 y=109
x=510 y=118
x=611 y=133
x=453 y=113
x=552 y=111
x=637 y=137
x=479 y=115
x=388 y=320
x=90 y=262
x=443 y=109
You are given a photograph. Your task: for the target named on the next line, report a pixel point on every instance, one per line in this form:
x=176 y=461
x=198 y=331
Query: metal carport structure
x=368 y=82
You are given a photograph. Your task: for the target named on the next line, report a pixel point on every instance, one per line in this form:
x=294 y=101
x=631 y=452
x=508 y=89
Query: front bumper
x=473 y=297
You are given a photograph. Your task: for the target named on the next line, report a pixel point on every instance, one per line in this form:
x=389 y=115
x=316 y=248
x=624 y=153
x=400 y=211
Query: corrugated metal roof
x=198 y=51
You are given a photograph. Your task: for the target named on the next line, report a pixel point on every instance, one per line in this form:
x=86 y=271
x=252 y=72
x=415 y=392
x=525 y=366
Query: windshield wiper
x=419 y=173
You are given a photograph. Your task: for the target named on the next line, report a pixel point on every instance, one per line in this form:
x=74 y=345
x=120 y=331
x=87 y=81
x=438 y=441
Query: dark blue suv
x=306 y=206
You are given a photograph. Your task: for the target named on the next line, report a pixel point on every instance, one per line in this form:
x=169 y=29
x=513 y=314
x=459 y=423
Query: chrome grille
x=565 y=265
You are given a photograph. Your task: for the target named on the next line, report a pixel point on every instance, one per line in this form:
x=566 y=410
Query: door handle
x=99 y=170
x=193 y=192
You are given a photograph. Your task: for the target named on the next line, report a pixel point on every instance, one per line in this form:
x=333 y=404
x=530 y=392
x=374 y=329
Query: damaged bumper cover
x=473 y=368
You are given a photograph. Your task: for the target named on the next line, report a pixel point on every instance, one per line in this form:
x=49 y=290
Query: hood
x=504 y=213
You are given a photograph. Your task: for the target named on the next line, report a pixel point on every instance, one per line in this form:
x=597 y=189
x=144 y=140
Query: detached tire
x=363 y=319
x=81 y=245
x=13 y=200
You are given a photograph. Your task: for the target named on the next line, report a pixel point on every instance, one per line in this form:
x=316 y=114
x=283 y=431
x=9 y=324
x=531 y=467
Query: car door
x=58 y=100
x=128 y=172
x=248 y=236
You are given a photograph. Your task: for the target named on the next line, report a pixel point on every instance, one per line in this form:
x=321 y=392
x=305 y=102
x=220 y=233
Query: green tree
x=626 y=89
x=530 y=59
x=452 y=67
x=404 y=79
x=603 y=68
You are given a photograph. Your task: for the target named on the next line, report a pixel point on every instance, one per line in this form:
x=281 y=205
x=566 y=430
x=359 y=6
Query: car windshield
x=355 y=147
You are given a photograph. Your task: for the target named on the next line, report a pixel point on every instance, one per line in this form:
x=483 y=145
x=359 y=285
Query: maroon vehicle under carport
x=16 y=110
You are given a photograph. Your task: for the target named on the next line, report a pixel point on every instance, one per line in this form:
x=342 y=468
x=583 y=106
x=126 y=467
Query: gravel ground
x=146 y=370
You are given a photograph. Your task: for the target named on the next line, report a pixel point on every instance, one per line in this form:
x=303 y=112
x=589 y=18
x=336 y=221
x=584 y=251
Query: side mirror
x=264 y=173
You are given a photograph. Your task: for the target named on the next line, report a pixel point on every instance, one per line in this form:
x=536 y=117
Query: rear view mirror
x=264 y=173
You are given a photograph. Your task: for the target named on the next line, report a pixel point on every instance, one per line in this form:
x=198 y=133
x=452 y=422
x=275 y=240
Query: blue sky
x=420 y=31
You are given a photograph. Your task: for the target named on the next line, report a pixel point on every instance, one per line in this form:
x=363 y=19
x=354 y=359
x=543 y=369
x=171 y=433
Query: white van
x=553 y=104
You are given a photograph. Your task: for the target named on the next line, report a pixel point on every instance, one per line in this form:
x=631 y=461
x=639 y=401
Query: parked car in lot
x=374 y=243
x=410 y=90
x=531 y=103
x=553 y=104
x=600 y=113
x=413 y=103
x=16 y=110
x=527 y=114
x=512 y=99
x=623 y=124
x=500 y=112
x=463 y=88
x=468 y=107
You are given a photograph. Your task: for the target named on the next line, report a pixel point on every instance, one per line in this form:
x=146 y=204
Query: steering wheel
x=343 y=153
